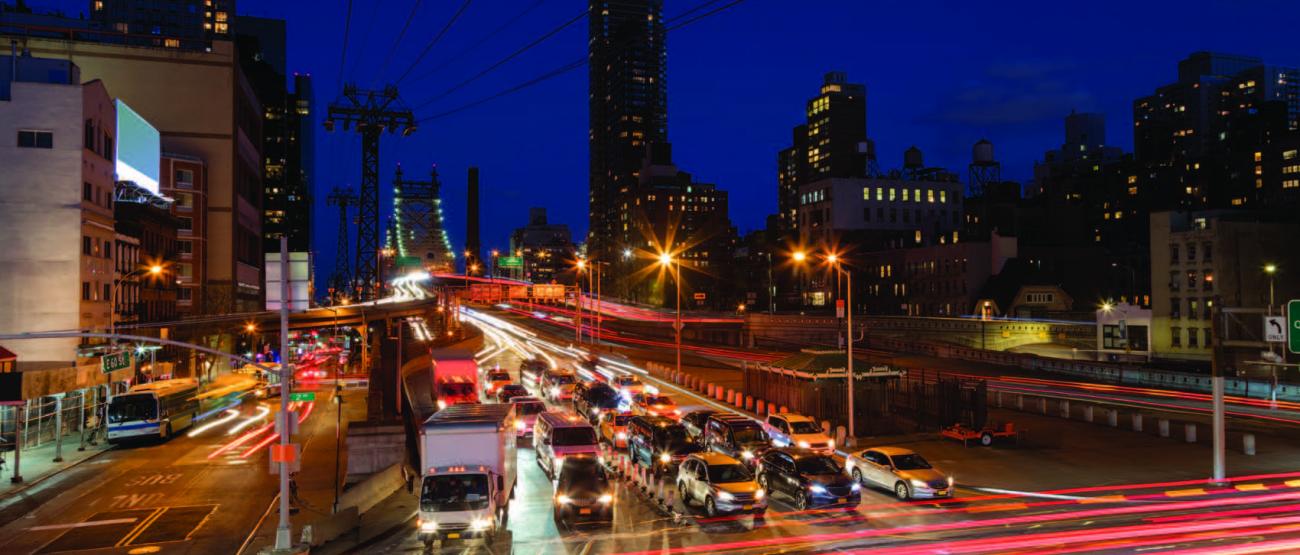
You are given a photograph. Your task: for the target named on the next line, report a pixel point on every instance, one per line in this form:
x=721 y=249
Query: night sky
x=939 y=75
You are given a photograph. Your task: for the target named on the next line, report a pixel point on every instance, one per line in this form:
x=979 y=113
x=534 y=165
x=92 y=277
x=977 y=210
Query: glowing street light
x=799 y=256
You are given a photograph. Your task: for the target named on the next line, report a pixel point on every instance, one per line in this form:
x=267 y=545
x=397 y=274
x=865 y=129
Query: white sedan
x=902 y=471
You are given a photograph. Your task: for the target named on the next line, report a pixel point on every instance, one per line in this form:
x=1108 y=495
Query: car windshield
x=673 y=438
x=514 y=388
x=726 y=473
x=805 y=427
x=817 y=465
x=126 y=408
x=749 y=435
x=530 y=408
x=910 y=461
x=576 y=435
x=603 y=396
x=621 y=419
x=626 y=380
x=499 y=376
x=456 y=389
x=657 y=400
x=562 y=379
x=454 y=493
x=582 y=474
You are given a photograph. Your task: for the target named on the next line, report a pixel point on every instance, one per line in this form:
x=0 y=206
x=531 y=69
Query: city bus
x=157 y=409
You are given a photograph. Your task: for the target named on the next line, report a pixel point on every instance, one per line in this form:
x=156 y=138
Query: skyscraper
x=628 y=107
x=829 y=144
x=189 y=24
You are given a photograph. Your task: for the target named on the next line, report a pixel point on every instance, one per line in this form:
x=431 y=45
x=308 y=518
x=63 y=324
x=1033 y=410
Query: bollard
x=840 y=433
x=1112 y=417
x=1248 y=444
x=58 y=429
x=1087 y=413
x=709 y=390
x=784 y=409
x=1043 y=402
x=759 y=406
x=1163 y=424
x=826 y=427
x=1065 y=408
x=749 y=403
x=719 y=393
x=731 y=396
x=1020 y=401
x=740 y=400
x=670 y=497
x=998 y=396
x=1137 y=421
x=1189 y=432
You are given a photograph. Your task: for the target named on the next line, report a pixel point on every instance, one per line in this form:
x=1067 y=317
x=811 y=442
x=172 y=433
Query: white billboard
x=139 y=149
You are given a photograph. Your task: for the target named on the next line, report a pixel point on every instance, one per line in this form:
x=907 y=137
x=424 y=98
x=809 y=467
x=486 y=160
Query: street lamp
x=667 y=260
x=834 y=261
x=1270 y=270
x=154 y=270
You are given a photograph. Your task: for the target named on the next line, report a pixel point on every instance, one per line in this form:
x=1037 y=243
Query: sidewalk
x=37 y=464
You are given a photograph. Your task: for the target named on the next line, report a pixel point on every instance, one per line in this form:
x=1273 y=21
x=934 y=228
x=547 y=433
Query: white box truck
x=467 y=455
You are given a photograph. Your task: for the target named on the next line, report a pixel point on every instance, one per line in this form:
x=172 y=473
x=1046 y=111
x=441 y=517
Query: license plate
x=584 y=511
x=453 y=536
x=841 y=500
x=747 y=507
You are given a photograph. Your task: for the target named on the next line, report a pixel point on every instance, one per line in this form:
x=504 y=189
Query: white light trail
x=262 y=411
x=231 y=414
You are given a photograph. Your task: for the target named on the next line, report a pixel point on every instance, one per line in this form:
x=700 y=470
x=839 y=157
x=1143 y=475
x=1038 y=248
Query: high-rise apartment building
x=628 y=99
x=831 y=143
x=546 y=250
x=190 y=24
x=287 y=133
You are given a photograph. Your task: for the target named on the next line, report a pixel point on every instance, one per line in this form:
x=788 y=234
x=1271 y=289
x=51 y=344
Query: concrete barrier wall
x=369 y=492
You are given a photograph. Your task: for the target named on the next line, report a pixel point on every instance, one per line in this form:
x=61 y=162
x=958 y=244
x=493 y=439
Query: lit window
x=892 y=191
x=1259 y=156
x=905 y=194
x=929 y=195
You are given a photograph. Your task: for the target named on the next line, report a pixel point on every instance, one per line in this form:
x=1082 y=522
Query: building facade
x=146 y=237
x=57 y=146
x=628 y=97
x=872 y=210
x=184 y=179
x=190 y=24
x=547 y=250
x=832 y=143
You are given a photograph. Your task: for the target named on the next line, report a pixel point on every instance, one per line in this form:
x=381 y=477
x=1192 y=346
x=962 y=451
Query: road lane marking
x=1104 y=499
x=995 y=508
x=140 y=527
x=1252 y=487
x=1184 y=492
x=84 y=524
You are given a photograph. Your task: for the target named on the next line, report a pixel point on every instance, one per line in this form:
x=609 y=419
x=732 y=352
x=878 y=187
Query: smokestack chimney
x=472 y=244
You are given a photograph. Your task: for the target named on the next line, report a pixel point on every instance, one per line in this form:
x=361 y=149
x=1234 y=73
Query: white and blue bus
x=157 y=409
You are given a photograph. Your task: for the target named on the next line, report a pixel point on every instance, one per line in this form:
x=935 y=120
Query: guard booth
x=812 y=382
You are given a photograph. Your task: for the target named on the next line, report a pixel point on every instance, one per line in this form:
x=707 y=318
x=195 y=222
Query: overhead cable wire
x=460 y=54
x=383 y=68
x=343 y=56
x=441 y=33
x=503 y=61
x=561 y=70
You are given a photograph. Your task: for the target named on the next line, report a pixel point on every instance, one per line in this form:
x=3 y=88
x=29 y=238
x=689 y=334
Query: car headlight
x=759 y=494
x=917 y=483
x=724 y=496
x=677 y=412
x=856 y=487
x=480 y=524
x=950 y=481
x=442 y=405
x=428 y=526
x=563 y=499
x=746 y=455
x=555 y=392
x=519 y=425
x=622 y=436
x=606 y=499
x=830 y=443
x=665 y=458
x=804 y=445
x=815 y=488
x=595 y=412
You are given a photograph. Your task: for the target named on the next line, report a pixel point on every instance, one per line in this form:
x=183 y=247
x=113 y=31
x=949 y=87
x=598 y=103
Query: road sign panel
x=1293 y=326
x=510 y=262
x=302 y=396
x=115 y=361
x=1275 y=329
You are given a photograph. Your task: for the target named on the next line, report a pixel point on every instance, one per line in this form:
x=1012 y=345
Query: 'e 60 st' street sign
x=115 y=361
x=1293 y=326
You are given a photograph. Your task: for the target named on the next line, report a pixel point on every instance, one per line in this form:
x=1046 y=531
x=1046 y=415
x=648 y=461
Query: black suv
x=583 y=490
x=590 y=399
x=695 y=422
x=658 y=443
x=737 y=437
x=809 y=479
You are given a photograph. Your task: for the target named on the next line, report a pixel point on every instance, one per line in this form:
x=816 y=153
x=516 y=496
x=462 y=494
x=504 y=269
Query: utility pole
x=1216 y=381
x=370 y=113
x=284 y=532
x=341 y=280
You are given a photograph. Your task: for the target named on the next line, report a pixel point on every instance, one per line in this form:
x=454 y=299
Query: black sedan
x=511 y=390
x=809 y=479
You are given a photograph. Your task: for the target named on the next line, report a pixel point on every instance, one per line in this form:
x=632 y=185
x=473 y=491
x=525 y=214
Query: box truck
x=467 y=458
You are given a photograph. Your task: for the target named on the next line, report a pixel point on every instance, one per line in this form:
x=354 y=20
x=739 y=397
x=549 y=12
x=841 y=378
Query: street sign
x=290 y=454
x=302 y=396
x=113 y=362
x=510 y=262
x=1293 y=326
x=1275 y=329
x=699 y=296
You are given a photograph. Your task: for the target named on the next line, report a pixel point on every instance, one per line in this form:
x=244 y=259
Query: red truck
x=455 y=380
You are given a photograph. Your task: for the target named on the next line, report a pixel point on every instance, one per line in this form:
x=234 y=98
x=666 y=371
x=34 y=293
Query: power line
x=503 y=61
x=690 y=11
x=365 y=36
x=384 y=67
x=460 y=53
x=568 y=67
x=343 y=57
x=435 y=40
